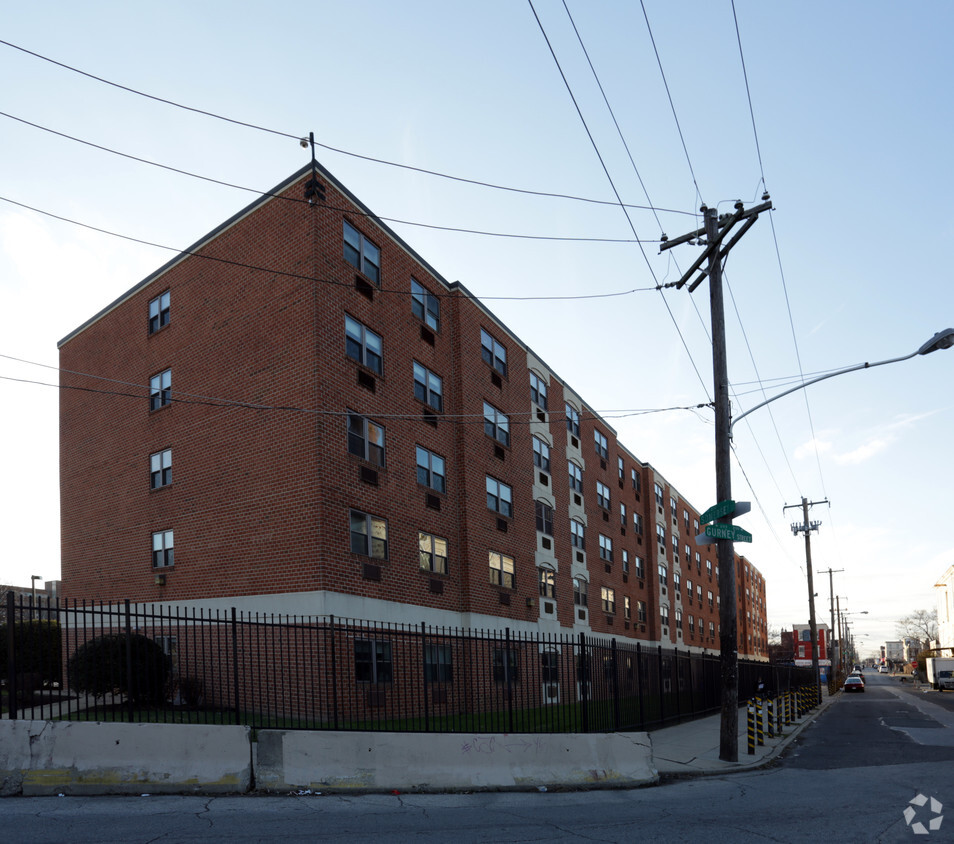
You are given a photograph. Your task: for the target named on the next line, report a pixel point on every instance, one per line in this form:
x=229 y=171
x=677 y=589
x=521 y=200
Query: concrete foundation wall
x=442 y=762
x=58 y=757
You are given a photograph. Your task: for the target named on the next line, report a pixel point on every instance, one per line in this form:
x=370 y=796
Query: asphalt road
x=850 y=777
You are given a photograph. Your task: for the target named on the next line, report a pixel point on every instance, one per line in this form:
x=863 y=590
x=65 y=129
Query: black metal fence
x=73 y=660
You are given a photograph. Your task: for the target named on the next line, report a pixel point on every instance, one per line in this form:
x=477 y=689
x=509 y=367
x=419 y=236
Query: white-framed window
x=433 y=552
x=692 y=624
x=365 y=439
x=658 y=490
x=541 y=455
x=635 y=479
x=641 y=612
x=663 y=575
x=544 y=515
x=606 y=548
x=664 y=615
x=361 y=253
x=602 y=447
x=501 y=569
x=372 y=661
x=160 y=390
x=661 y=536
x=679 y=619
x=580 y=588
x=425 y=306
x=625 y=554
x=572 y=420
x=709 y=596
x=493 y=352
x=430 y=470
x=577 y=534
x=638 y=567
x=637 y=524
x=538 y=391
x=159 y=311
x=627 y=612
x=576 y=477
x=363 y=345
x=676 y=581
x=163 y=549
x=622 y=514
x=608 y=600
x=709 y=567
x=428 y=387
x=547 y=583
x=499 y=497
x=369 y=535
x=673 y=508
x=160 y=468
x=496 y=424
x=602 y=495
x=688 y=588
x=620 y=468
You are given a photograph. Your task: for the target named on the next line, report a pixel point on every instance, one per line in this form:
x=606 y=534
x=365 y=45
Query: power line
x=338 y=150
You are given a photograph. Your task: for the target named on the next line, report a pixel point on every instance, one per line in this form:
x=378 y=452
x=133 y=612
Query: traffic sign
x=725 y=508
x=720 y=531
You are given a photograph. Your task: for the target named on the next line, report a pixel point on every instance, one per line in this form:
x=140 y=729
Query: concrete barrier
x=347 y=761
x=60 y=757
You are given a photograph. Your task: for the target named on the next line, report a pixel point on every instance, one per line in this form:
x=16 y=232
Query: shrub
x=99 y=667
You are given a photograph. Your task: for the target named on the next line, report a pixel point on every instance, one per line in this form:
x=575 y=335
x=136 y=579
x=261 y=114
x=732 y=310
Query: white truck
x=940 y=672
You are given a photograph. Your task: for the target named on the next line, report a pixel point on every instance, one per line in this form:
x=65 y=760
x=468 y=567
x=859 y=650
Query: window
x=576 y=477
x=675 y=548
x=159 y=312
x=608 y=600
x=637 y=524
x=433 y=553
x=493 y=352
x=709 y=596
x=579 y=591
x=625 y=561
x=572 y=420
x=547 y=583
x=160 y=469
x=577 y=532
x=661 y=536
x=430 y=470
x=659 y=494
x=709 y=567
x=425 y=306
x=372 y=661
x=635 y=477
x=699 y=593
x=688 y=554
x=711 y=629
x=538 y=391
x=496 y=424
x=664 y=616
x=692 y=625
x=688 y=588
x=541 y=454
x=504 y=664
x=627 y=611
x=499 y=497
x=365 y=439
x=606 y=548
x=361 y=253
x=619 y=466
x=544 y=518
x=162 y=549
x=641 y=612
x=638 y=568
x=369 y=535
x=602 y=495
x=363 y=345
x=673 y=508
x=160 y=390
x=685 y=518
x=663 y=575
x=550 y=666
x=501 y=570
x=602 y=448
x=428 y=387
x=438 y=664
x=622 y=514
x=676 y=581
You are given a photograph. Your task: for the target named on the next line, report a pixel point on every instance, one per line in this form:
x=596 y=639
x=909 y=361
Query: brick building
x=299 y=415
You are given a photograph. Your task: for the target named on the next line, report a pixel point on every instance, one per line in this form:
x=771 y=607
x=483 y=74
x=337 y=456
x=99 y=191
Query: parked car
x=853 y=683
x=859 y=675
x=882 y=669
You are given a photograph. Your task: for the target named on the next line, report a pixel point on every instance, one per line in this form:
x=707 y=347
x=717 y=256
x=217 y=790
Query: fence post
x=760 y=727
x=334 y=673
x=508 y=671
x=129 y=670
x=639 y=686
x=11 y=659
x=659 y=679
x=615 y=686
x=584 y=672
x=235 y=668
x=427 y=709
x=750 y=727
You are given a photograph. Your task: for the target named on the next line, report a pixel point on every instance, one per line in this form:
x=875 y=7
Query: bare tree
x=921 y=624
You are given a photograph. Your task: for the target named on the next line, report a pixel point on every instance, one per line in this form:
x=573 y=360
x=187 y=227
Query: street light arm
x=942 y=340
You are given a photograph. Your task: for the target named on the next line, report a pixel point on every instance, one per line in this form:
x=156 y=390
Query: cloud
x=811 y=447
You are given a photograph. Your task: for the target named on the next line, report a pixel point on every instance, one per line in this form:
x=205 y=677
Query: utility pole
x=807 y=527
x=831 y=599
x=715 y=231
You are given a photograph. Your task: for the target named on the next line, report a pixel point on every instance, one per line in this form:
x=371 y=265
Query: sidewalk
x=692 y=748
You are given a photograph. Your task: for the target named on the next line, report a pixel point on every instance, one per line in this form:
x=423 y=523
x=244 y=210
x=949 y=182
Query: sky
x=842 y=112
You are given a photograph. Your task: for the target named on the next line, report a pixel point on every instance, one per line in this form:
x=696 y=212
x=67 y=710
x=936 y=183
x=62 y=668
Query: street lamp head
x=942 y=340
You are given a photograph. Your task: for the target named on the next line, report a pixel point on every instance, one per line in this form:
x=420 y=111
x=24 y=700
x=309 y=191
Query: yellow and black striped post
x=771 y=716
x=750 y=721
x=759 y=726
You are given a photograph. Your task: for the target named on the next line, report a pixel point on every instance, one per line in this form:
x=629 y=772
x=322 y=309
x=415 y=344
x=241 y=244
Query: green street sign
x=723 y=508
x=733 y=532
